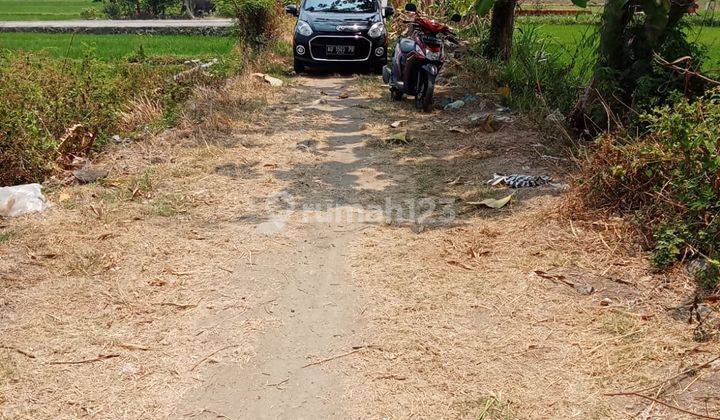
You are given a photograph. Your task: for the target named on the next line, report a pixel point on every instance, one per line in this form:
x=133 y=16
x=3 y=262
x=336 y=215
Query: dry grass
x=134 y=267
x=145 y=266
x=139 y=113
x=467 y=329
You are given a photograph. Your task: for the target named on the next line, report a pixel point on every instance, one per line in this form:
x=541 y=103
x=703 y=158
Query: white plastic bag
x=21 y=199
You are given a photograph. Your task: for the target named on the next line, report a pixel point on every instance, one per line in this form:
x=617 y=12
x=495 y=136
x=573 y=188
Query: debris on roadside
x=273 y=81
x=89 y=173
x=555 y=117
x=492 y=203
x=117 y=139
x=198 y=68
x=398 y=123
x=77 y=141
x=690 y=311
x=491 y=121
x=585 y=289
x=22 y=199
x=306 y=145
x=454 y=105
x=398 y=138
x=504 y=91
x=700 y=267
x=469 y=98
x=458 y=130
x=519 y=181
x=343 y=95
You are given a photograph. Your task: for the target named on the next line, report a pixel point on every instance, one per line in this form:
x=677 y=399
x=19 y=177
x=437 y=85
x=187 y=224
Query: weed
x=257 y=20
x=495 y=407
x=132 y=188
x=618 y=323
x=542 y=75
x=667 y=179
x=96 y=98
x=5 y=237
x=167 y=205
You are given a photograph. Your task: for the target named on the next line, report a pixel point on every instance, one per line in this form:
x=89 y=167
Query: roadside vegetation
x=64 y=96
x=77 y=108
x=632 y=88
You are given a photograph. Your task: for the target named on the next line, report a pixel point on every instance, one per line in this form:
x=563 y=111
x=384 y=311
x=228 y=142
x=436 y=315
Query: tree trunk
x=190 y=8
x=501 y=30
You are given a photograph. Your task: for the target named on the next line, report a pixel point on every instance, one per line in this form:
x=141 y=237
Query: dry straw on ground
x=129 y=283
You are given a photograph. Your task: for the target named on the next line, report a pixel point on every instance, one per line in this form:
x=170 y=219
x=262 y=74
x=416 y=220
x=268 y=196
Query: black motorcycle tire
x=426 y=90
x=396 y=95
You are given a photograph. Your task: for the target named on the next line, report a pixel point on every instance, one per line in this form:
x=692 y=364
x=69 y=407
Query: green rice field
x=44 y=9
x=568 y=36
x=110 y=47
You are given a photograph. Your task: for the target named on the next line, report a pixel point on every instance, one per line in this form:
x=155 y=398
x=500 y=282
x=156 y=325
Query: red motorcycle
x=418 y=58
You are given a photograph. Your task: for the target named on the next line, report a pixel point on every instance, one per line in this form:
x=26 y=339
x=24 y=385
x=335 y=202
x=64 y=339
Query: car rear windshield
x=340 y=6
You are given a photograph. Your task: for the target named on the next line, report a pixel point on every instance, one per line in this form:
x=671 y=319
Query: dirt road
x=288 y=254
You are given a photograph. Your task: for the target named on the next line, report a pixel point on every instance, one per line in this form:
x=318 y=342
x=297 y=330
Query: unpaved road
x=308 y=288
x=287 y=254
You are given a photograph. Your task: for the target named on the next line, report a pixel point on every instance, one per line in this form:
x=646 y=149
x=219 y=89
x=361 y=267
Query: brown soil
x=182 y=286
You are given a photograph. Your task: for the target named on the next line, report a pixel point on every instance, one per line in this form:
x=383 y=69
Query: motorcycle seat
x=406 y=45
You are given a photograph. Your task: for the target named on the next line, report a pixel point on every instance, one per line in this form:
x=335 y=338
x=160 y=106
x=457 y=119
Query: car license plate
x=340 y=49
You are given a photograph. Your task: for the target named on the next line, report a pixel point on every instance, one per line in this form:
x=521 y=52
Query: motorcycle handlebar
x=448 y=32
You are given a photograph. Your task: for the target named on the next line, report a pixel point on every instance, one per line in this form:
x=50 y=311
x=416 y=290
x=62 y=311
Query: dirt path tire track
x=307 y=290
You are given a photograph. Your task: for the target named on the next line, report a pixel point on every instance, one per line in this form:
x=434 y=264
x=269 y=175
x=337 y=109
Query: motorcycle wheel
x=426 y=89
x=396 y=95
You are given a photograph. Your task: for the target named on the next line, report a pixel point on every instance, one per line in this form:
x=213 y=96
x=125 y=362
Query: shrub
x=112 y=10
x=34 y=117
x=123 y=9
x=257 y=20
x=643 y=84
x=540 y=79
x=90 y=13
x=669 y=179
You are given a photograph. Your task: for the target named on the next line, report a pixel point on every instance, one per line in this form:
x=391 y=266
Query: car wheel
x=298 y=67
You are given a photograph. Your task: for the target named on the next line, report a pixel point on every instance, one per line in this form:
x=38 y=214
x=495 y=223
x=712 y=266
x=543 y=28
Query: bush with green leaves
x=638 y=81
x=257 y=20
x=668 y=179
x=128 y=9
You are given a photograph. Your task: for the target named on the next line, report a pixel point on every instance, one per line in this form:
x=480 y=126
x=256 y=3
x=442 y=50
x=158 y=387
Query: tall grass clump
x=541 y=76
x=668 y=180
x=52 y=109
x=258 y=21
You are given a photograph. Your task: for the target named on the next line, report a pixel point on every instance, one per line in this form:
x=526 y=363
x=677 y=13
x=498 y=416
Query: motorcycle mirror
x=291 y=9
x=456 y=18
x=410 y=7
